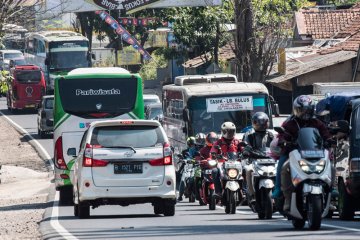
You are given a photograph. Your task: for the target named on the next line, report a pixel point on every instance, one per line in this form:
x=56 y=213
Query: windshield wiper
x=122 y=147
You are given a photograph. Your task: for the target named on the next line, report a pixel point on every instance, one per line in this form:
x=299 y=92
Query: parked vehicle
x=263 y=182
x=115 y=166
x=7 y=55
x=310 y=170
x=26 y=88
x=45 y=117
x=344 y=108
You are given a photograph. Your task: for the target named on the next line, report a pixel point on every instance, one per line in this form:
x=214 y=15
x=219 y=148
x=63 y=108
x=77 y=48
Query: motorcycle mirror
x=279 y=129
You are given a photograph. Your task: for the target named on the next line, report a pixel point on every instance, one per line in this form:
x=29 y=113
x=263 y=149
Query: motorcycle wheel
x=212 y=200
x=232 y=202
x=298 y=224
x=346 y=210
x=314 y=211
x=266 y=207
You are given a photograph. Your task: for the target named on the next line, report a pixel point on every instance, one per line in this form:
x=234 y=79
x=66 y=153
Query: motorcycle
x=232 y=182
x=310 y=173
x=187 y=178
x=207 y=188
x=263 y=179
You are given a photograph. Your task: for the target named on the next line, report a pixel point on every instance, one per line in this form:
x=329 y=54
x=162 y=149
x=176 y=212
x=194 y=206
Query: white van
x=7 y=55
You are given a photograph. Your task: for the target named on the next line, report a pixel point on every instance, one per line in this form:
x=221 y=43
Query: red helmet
x=211 y=138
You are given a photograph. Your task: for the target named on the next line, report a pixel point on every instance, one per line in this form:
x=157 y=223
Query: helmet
x=190 y=141
x=211 y=138
x=228 y=130
x=260 y=121
x=304 y=107
x=200 y=139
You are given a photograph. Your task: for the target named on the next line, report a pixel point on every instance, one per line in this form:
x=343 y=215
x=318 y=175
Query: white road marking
x=54 y=222
x=339 y=227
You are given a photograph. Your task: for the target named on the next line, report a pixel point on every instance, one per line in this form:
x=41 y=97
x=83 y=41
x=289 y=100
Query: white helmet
x=228 y=130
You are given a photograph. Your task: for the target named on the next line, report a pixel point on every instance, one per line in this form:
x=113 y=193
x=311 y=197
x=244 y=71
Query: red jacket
x=227 y=146
x=205 y=152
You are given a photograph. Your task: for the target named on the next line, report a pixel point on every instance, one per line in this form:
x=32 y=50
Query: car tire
x=345 y=203
x=169 y=209
x=41 y=134
x=76 y=210
x=66 y=196
x=83 y=210
x=158 y=209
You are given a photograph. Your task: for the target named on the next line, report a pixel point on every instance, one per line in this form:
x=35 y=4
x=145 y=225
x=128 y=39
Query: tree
x=261 y=27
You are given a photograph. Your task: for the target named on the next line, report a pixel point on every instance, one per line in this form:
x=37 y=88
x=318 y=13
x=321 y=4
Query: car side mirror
x=186 y=115
x=93 y=56
x=71 y=152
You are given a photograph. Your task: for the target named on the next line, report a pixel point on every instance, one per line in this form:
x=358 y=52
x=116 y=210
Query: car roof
x=98 y=70
x=150 y=96
x=154 y=105
x=125 y=122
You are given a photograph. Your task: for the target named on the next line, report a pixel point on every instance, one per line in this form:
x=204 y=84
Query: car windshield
x=127 y=136
x=69 y=55
x=13 y=55
x=19 y=62
x=86 y=97
x=208 y=113
x=49 y=103
x=155 y=112
x=149 y=101
x=28 y=76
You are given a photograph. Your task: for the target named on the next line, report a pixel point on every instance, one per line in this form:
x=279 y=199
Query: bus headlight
x=232 y=173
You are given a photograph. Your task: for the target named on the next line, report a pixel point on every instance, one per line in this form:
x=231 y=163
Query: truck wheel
x=346 y=209
x=66 y=195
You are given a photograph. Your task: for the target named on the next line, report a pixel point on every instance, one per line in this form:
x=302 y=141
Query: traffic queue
x=291 y=171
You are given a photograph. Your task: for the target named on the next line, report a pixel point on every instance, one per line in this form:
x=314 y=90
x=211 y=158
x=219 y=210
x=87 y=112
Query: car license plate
x=128 y=168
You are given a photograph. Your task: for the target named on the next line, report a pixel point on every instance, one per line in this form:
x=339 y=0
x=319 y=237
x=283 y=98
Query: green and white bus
x=57 y=53
x=81 y=97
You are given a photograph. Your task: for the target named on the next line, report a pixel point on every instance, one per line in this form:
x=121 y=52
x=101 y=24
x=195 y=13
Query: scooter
x=310 y=174
x=232 y=182
x=207 y=188
x=187 y=179
x=263 y=178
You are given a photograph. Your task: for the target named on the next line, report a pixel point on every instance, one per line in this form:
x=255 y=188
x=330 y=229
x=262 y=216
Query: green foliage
x=5 y=78
x=148 y=69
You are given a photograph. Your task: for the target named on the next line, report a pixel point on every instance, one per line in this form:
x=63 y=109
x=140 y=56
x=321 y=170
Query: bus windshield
x=68 y=55
x=208 y=113
x=28 y=76
x=92 y=98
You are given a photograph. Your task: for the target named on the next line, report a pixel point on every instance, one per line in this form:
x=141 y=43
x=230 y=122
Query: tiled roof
x=226 y=53
x=351 y=34
x=320 y=24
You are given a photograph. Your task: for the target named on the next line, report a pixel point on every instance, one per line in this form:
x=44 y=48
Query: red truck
x=26 y=88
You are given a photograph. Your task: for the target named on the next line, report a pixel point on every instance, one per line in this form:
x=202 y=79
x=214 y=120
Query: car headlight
x=212 y=163
x=309 y=168
x=232 y=173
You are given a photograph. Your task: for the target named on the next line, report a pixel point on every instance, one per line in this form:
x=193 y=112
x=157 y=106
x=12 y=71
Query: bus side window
x=41 y=48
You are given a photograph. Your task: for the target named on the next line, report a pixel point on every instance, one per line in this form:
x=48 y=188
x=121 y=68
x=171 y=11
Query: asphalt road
x=190 y=220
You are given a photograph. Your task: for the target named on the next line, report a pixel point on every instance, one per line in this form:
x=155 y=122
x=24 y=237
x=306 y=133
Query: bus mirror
x=93 y=56
x=184 y=130
x=186 y=115
x=47 y=61
x=276 y=110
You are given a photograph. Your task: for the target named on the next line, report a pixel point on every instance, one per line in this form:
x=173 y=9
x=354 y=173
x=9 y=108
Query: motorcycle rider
x=228 y=143
x=210 y=139
x=258 y=138
x=303 y=116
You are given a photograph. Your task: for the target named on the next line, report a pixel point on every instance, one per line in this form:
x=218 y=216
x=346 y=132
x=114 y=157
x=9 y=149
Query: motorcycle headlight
x=232 y=173
x=309 y=168
x=212 y=163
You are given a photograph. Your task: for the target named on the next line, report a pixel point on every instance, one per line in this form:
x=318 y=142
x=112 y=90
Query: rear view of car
x=124 y=162
x=45 y=118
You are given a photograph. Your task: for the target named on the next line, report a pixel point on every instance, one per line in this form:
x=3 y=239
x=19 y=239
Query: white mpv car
x=122 y=162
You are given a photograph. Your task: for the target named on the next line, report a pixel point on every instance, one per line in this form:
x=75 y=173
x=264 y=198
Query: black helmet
x=304 y=107
x=260 y=121
x=190 y=141
x=200 y=139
